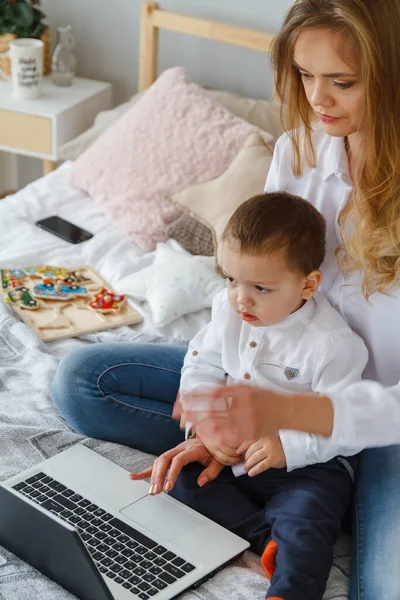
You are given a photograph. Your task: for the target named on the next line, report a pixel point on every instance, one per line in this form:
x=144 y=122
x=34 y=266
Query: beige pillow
x=261 y=113
x=215 y=201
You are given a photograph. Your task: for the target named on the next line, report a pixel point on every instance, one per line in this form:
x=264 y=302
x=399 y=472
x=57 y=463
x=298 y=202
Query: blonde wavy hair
x=370 y=224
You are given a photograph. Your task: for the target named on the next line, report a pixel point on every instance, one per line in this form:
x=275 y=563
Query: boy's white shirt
x=312 y=350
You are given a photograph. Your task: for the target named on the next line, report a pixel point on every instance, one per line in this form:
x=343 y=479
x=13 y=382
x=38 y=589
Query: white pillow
x=177 y=283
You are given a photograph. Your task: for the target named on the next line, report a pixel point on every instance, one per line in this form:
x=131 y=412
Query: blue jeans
x=122 y=393
x=125 y=392
x=375 y=569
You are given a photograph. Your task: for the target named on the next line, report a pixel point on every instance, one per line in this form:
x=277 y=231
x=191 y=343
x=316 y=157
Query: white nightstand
x=39 y=127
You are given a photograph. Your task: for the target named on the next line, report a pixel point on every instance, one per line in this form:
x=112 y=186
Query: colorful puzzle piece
x=47 y=270
x=23 y=298
x=17 y=273
x=106 y=301
x=17 y=282
x=12 y=278
x=77 y=276
x=58 y=290
x=72 y=279
x=5 y=278
x=51 y=271
x=33 y=270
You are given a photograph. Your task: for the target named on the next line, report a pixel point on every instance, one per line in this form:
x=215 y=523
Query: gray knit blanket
x=32 y=430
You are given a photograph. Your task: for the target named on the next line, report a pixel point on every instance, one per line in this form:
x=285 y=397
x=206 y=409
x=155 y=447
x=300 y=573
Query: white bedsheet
x=22 y=243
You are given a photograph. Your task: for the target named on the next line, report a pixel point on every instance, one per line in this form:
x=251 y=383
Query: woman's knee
x=131 y=375
x=72 y=372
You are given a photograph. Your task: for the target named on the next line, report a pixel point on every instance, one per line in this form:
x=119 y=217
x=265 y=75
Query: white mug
x=26 y=55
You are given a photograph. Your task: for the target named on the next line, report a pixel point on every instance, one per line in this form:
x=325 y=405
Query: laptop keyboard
x=122 y=553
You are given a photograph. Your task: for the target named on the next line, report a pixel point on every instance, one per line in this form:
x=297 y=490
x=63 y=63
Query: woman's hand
x=165 y=470
x=224 y=454
x=231 y=414
x=262 y=454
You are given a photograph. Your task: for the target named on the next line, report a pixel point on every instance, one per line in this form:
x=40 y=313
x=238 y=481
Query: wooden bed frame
x=153 y=19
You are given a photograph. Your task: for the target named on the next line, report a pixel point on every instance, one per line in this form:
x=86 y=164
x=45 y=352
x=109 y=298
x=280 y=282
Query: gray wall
x=107 y=34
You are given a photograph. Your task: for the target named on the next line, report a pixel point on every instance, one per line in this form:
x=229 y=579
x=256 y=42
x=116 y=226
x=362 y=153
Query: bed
x=30 y=428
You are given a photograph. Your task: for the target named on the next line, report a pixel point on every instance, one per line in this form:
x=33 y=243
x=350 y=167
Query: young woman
x=336 y=62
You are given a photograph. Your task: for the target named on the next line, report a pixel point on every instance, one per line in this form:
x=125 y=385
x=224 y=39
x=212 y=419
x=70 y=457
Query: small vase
x=64 y=61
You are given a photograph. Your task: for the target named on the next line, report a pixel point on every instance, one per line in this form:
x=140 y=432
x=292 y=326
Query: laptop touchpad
x=161 y=516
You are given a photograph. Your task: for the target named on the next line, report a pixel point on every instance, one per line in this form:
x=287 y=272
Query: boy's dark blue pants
x=296 y=515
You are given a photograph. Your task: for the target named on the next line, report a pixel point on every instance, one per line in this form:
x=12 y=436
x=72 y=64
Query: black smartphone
x=64 y=229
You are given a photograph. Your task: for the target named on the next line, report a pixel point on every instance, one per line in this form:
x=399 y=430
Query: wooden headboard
x=153 y=19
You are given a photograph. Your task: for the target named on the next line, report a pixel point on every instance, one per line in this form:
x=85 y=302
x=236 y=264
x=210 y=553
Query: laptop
x=80 y=520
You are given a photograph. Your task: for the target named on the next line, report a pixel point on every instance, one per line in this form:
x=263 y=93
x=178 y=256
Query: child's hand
x=262 y=454
x=225 y=455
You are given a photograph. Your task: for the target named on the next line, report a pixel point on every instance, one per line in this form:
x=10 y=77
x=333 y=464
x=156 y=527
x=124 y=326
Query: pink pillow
x=173 y=138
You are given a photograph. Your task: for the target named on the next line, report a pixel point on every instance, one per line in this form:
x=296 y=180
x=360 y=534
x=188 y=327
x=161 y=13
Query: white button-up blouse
x=367 y=413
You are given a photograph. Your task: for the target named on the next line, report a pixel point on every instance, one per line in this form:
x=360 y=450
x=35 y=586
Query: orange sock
x=268 y=558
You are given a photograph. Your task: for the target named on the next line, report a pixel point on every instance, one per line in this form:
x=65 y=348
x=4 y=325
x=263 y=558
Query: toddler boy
x=272 y=328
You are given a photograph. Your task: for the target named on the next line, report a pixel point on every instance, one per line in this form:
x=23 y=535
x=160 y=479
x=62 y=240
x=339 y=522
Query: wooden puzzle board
x=58 y=319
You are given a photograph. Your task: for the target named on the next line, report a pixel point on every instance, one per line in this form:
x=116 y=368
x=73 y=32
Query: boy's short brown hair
x=270 y=222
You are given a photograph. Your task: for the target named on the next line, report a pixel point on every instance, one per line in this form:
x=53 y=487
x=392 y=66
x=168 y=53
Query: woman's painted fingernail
x=156 y=488
x=168 y=486
x=151 y=490
x=202 y=481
